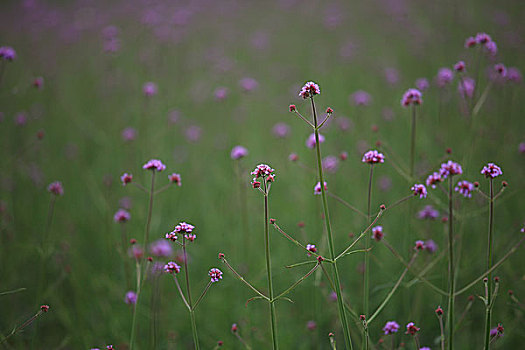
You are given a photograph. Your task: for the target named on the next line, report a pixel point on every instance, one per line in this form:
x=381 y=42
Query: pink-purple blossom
x=419 y=245
x=7 y=53
x=317 y=187
x=238 y=152
x=264 y=171
x=373 y=157
x=377 y=233
x=450 y=168
x=412 y=329
x=129 y=134
x=171 y=267
x=465 y=188
x=281 y=130
x=422 y=84
x=126 y=179
x=215 y=275
x=430 y=246
x=330 y=164
x=149 y=89
x=411 y=97
x=311 y=248
x=161 y=248
x=56 y=188
x=361 y=98
x=175 y=178
x=154 y=164
x=460 y=66
x=248 y=84
x=391 y=327
x=433 y=179
x=309 y=89
x=310 y=142
x=121 y=216
x=466 y=87
x=130 y=298
x=419 y=190
x=428 y=212
x=491 y=170
x=444 y=77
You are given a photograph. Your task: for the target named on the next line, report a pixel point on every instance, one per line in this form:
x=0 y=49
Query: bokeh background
x=225 y=73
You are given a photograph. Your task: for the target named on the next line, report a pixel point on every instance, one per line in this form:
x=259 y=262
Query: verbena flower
x=411 y=329
x=430 y=246
x=310 y=142
x=373 y=157
x=419 y=245
x=433 y=179
x=460 y=66
x=121 y=216
x=149 y=89
x=450 y=168
x=466 y=87
x=419 y=190
x=172 y=268
x=126 y=179
x=7 y=53
x=311 y=248
x=238 y=152
x=428 y=212
x=154 y=164
x=361 y=98
x=391 y=327
x=317 y=188
x=281 y=130
x=422 y=84
x=309 y=89
x=491 y=170
x=444 y=77
x=175 y=179
x=465 y=188
x=377 y=233
x=130 y=298
x=161 y=248
x=215 y=275
x=56 y=188
x=264 y=171
x=411 y=97
x=185 y=229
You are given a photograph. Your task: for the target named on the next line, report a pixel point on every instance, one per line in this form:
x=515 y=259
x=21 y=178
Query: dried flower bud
x=504 y=183
x=329 y=110
x=44 y=308
x=132 y=241
x=382 y=207
x=439 y=311
x=272 y=221
x=292 y=108
x=476 y=184
x=496 y=279
x=221 y=255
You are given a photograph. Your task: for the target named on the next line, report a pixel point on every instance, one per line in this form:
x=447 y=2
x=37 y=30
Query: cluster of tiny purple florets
x=465 y=188
x=377 y=233
x=491 y=170
x=411 y=97
x=172 y=267
x=122 y=216
x=373 y=157
x=215 y=275
x=309 y=89
x=154 y=164
x=419 y=190
x=175 y=179
x=450 y=168
x=317 y=188
x=484 y=40
x=391 y=327
x=7 y=53
x=56 y=188
x=264 y=171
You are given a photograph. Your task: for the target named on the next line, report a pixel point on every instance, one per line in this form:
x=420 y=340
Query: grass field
x=75 y=107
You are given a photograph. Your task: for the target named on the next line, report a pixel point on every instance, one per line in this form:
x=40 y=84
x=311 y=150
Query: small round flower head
x=483 y=38
x=459 y=66
x=428 y=212
x=215 y=274
x=309 y=89
x=238 y=152
x=186 y=229
x=430 y=246
x=171 y=267
x=264 y=171
x=281 y=130
x=160 y=248
x=391 y=327
x=500 y=69
x=293 y=157
x=234 y=328
x=7 y=53
x=491 y=170
x=373 y=157
x=129 y=134
x=149 y=89
x=172 y=236
x=377 y=233
x=317 y=188
x=361 y=98
x=491 y=48
x=126 y=179
x=419 y=190
x=248 y=84
x=433 y=179
x=311 y=248
x=411 y=329
x=310 y=142
x=292 y=108
x=130 y=298
x=466 y=87
x=121 y=216
x=422 y=84
x=175 y=179
x=514 y=75
x=136 y=251
x=465 y=188
x=110 y=347
x=411 y=97
x=444 y=77
x=56 y=188
x=220 y=93
x=420 y=245
x=330 y=164
x=450 y=168
x=154 y=164
x=38 y=82
x=311 y=325
x=470 y=42
x=439 y=311
x=44 y=308
x=521 y=147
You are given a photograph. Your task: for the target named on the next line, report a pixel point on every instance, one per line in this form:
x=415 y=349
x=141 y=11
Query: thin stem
x=488 y=311
x=361 y=235
x=194 y=329
x=303 y=118
x=482 y=99
x=273 y=317
x=150 y=210
x=202 y=294
x=442 y=332
x=463 y=314
x=134 y=320
x=366 y=291
x=413 y=141
x=451 y=279
x=340 y=303
x=163 y=188
x=181 y=293
x=293 y=240
x=293 y=286
x=243 y=280
x=22 y=326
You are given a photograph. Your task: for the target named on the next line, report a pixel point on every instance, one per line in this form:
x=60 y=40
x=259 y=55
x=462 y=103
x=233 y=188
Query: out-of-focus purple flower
x=450 y=168
x=136 y=251
x=373 y=157
x=171 y=267
x=521 y=147
x=419 y=245
x=311 y=325
x=38 y=83
x=309 y=89
x=430 y=246
x=422 y=84
x=317 y=187
x=391 y=76
x=411 y=329
x=149 y=89
x=497 y=331
x=7 y=53
x=466 y=87
x=330 y=164
x=385 y=183
x=377 y=233
x=444 y=77
x=491 y=170
x=220 y=93
x=129 y=134
x=428 y=212
x=154 y=164
x=109 y=32
x=112 y=45
x=361 y=98
x=501 y=70
x=419 y=190
x=175 y=178
x=21 y=119
x=293 y=157
x=483 y=38
x=248 y=84
x=130 y=298
x=215 y=275
x=121 y=216
x=391 y=327
x=281 y=130
x=514 y=75
x=465 y=188
x=470 y=42
x=333 y=296
x=161 y=248
x=56 y=188
x=310 y=142
x=193 y=133
x=238 y=152
x=460 y=66
x=173 y=116
x=344 y=123
x=126 y=179
x=491 y=48
x=411 y=97
x=433 y=179
x=125 y=203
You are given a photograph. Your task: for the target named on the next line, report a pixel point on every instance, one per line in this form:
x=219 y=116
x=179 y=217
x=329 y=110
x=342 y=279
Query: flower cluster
x=428 y=212
x=175 y=179
x=501 y=70
x=419 y=190
x=420 y=245
x=238 y=152
x=172 y=268
x=465 y=188
x=377 y=233
x=373 y=157
x=317 y=188
x=264 y=171
x=411 y=329
x=433 y=179
x=444 y=77
x=309 y=89
x=7 y=53
x=121 y=216
x=411 y=97
x=311 y=248
x=56 y=188
x=154 y=164
x=391 y=327
x=459 y=66
x=130 y=298
x=484 y=40
x=183 y=228
x=149 y=89
x=161 y=248
x=126 y=179
x=491 y=170
x=450 y=168
x=310 y=142
x=215 y=275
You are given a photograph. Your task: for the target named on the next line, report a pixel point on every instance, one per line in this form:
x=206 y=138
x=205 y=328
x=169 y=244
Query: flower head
x=248 y=84
x=420 y=245
x=130 y=298
x=361 y=98
x=330 y=164
x=422 y=84
x=215 y=274
x=186 y=229
x=428 y=212
x=483 y=38
x=160 y=248
x=311 y=248
x=491 y=170
x=444 y=77
x=238 y=152
x=470 y=42
x=310 y=142
x=430 y=246
x=264 y=171
x=154 y=164
x=121 y=216
x=149 y=89
x=7 y=53
x=373 y=157
x=309 y=89
x=172 y=268
x=317 y=188
x=514 y=75
x=175 y=179
x=450 y=168
x=465 y=188
x=419 y=190
x=466 y=87
x=412 y=329
x=391 y=327
x=460 y=66
x=500 y=69
x=56 y=188
x=129 y=134
x=433 y=179
x=491 y=48
x=411 y=97
x=377 y=233
x=281 y=130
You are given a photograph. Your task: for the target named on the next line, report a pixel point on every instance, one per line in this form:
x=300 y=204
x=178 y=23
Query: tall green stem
x=488 y=312
x=451 y=278
x=194 y=329
x=273 y=316
x=366 y=289
x=340 y=302
x=188 y=290
x=413 y=141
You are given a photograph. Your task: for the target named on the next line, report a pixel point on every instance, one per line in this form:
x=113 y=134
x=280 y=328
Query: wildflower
x=160 y=248
x=311 y=248
x=281 y=130
x=149 y=89
x=121 y=216
x=129 y=134
x=459 y=66
x=433 y=179
x=391 y=327
x=483 y=38
x=317 y=187
x=361 y=98
x=343 y=155
x=377 y=233
x=220 y=93
x=56 y=188
x=330 y=164
x=501 y=69
x=154 y=164
x=248 y=84
x=44 y=308
x=444 y=77
x=186 y=229
x=412 y=329
x=411 y=97
x=293 y=157
x=450 y=168
x=311 y=325
x=430 y=246
x=466 y=87
x=172 y=236
x=126 y=178
x=175 y=179
x=130 y=298
x=470 y=42
x=172 y=268
x=420 y=245
x=439 y=311
x=465 y=188
x=110 y=347
x=422 y=84
x=514 y=75
x=7 y=53
x=264 y=171
x=309 y=89
x=521 y=147
x=373 y=157
x=292 y=108
x=419 y=190
x=491 y=48
x=215 y=275
x=136 y=251
x=491 y=170
x=38 y=82
x=310 y=142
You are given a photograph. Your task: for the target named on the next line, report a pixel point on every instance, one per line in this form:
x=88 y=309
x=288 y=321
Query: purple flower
x=7 y=53
x=377 y=233
x=391 y=76
x=422 y=84
x=450 y=168
x=310 y=142
x=129 y=134
x=430 y=246
x=311 y=325
x=172 y=236
x=215 y=275
x=56 y=188
x=248 y=84
x=311 y=248
x=514 y=75
x=465 y=188
x=154 y=164
x=264 y=171
x=391 y=327
x=281 y=130
x=238 y=152
x=419 y=190
x=317 y=187
x=38 y=82
x=175 y=179
x=361 y=98
x=149 y=89
x=501 y=70
x=420 y=245
x=459 y=66
x=126 y=179
x=411 y=97
x=186 y=229
x=412 y=329
x=483 y=38
x=491 y=48
x=130 y=298
x=193 y=133
x=172 y=268
x=121 y=216
x=470 y=42
x=161 y=248
x=220 y=93
x=309 y=89
x=466 y=87
x=491 y=170
x=428 y=212
x=444 y=77
x=521 y=147
x=433 y=179
x=330 y=164
x=373 y=157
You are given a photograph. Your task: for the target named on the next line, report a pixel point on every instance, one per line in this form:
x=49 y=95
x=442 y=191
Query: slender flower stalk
x=488 y=311
x=188 y=290
x=451 y=278
x=366 y=287
x=413 y=141
x=43 y=309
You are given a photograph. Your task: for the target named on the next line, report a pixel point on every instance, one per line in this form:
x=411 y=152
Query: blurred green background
x=92 y=91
